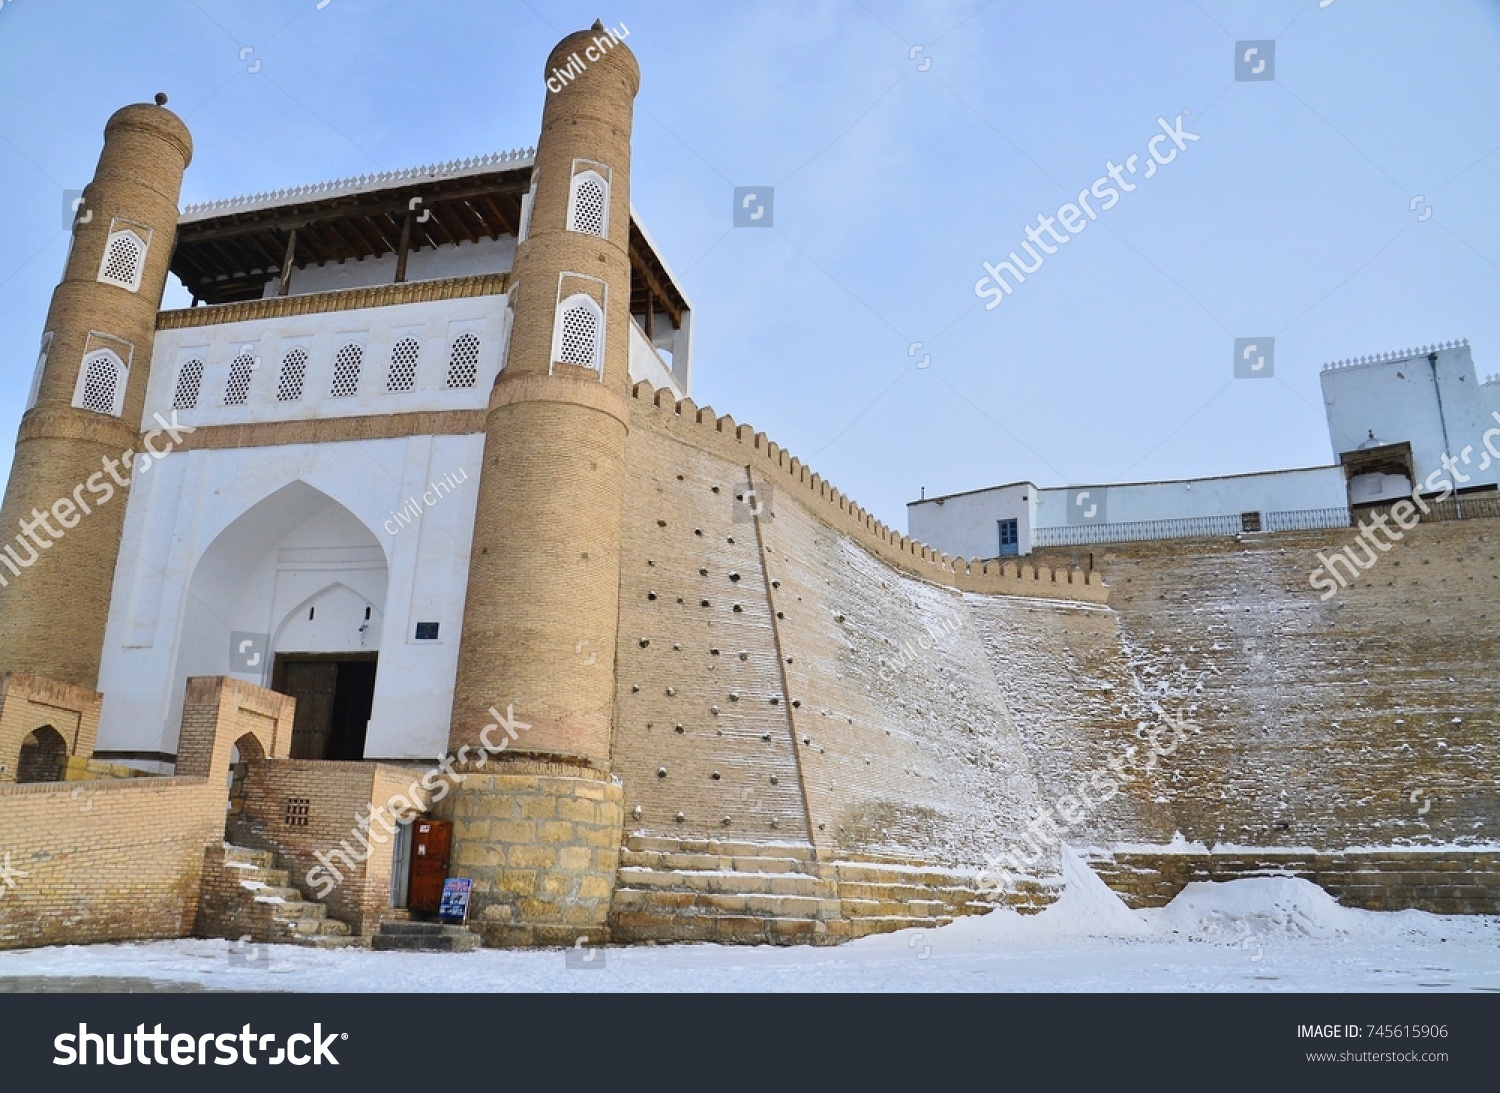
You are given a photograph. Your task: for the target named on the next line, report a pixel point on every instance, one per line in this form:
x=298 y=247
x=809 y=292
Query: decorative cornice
x=1396 y=355
x=349 y=299
x=343 y=187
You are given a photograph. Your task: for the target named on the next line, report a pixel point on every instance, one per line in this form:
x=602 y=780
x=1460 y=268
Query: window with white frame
x=579 y=335
x=237 y=390
x=588 y=204
x=101 y=383
x=463 y=361
x=124 y=260
x=406 y=354
x=41 y=368
x=293 y=373
x=346 y=365
x=189 y=384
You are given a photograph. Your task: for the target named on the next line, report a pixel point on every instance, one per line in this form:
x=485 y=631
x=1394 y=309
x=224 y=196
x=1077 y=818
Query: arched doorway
x=292 y=596
x=44 y=756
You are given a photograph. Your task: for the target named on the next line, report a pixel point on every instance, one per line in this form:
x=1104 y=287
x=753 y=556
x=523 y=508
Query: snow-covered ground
x=1260 y=934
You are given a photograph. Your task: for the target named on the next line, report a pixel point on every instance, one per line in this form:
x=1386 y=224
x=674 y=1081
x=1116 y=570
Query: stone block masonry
x=541 y=841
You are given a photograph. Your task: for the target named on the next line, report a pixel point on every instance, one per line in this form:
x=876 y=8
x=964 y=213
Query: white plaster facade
x=246 y=540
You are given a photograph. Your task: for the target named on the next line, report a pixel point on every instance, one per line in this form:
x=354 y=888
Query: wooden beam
x=404 y=246
x=286 y=263
x=638 y=262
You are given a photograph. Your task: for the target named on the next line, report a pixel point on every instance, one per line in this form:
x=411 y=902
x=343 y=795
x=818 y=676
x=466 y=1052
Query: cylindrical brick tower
x=539 y=829
x=64 y=507
x=543 y=595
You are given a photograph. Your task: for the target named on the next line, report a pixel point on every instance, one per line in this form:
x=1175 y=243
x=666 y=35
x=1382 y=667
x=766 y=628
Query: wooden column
x=404 y=248
x=286 y=263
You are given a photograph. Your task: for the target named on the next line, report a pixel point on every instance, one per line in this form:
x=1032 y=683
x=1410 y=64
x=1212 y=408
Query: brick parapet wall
x=106 y=860
x=660 y=409
x=28 y=702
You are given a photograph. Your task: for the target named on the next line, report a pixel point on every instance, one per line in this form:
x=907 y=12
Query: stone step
x=243 y=855
x=724 y=929
x=760 y=904
x=870 y=873
x=297 y=910
x=898 y=893
x=331 y=941
x=863 y=927
x=286 y=895
x=663 y=859
x=446 y=939
x=779 y=884
x=316 y=927
x=881 y=908
x=721 y=848
x=423 y=929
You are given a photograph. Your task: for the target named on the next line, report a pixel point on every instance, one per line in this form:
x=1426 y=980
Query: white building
x=1391 y=421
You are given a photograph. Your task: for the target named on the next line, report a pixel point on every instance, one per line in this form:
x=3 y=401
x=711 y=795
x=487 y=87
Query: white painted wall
x=218 y=541
x=1399 y=400
x=436 y=324
x=1273 y=491
x=966 y=525
x=427 y=264
x=646 y=364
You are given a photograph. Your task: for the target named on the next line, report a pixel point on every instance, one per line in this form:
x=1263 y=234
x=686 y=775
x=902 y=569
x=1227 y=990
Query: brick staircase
x=773 y=893
x=245 y=894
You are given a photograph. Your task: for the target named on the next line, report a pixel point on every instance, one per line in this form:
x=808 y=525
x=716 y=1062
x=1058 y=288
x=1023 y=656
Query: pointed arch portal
x=300 y=582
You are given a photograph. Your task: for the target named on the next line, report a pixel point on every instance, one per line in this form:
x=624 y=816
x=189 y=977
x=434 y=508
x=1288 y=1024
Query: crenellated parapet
x=723 y=436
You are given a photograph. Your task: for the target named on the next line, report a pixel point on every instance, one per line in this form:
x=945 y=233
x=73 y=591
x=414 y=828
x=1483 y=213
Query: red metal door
x=429 y=865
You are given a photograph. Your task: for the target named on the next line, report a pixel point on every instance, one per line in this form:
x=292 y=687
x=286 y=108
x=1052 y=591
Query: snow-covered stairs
x=246 y=894
x=773 y=893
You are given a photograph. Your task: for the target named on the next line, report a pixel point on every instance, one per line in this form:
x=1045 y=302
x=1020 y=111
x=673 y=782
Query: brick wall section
x=338 y=795
x=541 y=841
x=27 y=702
x=105 y=860
x=219 y=713
x=659 y=410
x=696 y=663
x=916 y=760
x=1443 y=882
x=1322 y=718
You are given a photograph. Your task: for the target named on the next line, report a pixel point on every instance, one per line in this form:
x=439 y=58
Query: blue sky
x=894 y=180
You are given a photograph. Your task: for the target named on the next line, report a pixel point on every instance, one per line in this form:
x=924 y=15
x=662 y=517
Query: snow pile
x=1284 y=907
x=1087 y=907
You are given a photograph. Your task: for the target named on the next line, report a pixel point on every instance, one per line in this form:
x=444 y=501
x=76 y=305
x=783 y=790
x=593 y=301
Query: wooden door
x=429 y=865
x=313 y=684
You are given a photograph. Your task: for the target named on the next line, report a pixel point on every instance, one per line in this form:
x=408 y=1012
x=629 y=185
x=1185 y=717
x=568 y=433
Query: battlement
x=761 y=455
x=1395 y=355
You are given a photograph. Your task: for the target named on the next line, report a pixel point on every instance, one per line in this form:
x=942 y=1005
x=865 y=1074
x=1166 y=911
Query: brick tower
x=541 y=839
x=68 y=481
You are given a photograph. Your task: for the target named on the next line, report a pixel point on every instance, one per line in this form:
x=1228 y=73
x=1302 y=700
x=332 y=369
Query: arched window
x=124 y=260
x=346 y=371
x=101 y=386
x=463 y=361
x=44 y=755
x=403 y=372
x=588 y=204
x=293 y=372
x=579 y=333
x=237 y=390
x=189 y=383
x=41 y=368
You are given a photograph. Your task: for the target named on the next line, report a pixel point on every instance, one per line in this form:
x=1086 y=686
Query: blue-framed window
x=1010 y=538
